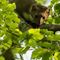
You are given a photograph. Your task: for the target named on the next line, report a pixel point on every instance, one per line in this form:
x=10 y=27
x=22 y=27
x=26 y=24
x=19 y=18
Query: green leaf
x=2 y=58
x=7 y=45
x=38 y=53
x=36 y=35
x=24 y=50
x=57 y=55
x=32 y=43
x=16 y=50
x=46 y=56
x=57 y=8
x=45 y=44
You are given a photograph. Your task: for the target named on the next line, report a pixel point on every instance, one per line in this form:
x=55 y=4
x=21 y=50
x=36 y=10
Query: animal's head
x=40 y=13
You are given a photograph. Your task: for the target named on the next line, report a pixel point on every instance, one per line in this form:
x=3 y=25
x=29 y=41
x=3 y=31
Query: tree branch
x=52 y=27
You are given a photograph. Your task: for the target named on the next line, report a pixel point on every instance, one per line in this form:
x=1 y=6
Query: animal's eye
x=43 y=17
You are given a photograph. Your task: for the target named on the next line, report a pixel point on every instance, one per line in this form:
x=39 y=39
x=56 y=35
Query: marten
x=37 y=13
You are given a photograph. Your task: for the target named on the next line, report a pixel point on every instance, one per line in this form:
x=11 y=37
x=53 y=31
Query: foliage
x=40 y=1
x=8 y=24
x=46 y=43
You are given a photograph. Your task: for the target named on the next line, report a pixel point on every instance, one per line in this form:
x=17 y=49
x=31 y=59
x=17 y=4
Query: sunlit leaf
x=2 y=58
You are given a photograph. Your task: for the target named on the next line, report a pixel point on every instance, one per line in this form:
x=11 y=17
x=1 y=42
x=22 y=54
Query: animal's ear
x=33 y=8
